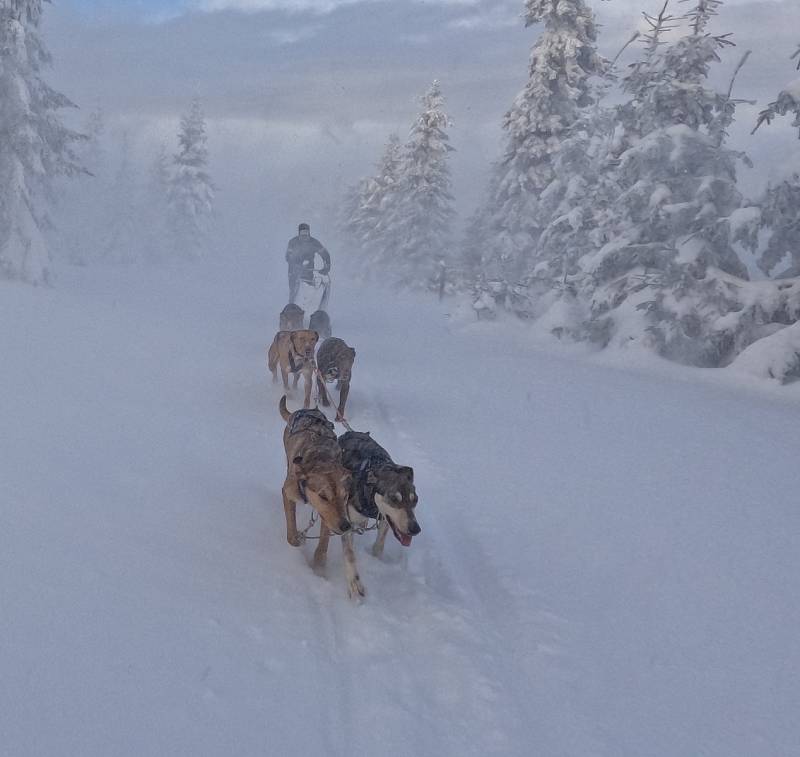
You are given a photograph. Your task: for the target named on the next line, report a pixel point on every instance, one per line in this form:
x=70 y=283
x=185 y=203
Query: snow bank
x=775 y=357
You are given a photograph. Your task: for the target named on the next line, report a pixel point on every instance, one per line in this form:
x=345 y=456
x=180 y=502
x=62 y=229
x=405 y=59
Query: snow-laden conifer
x=563 y=62
x=416 y=228
x=665 y=276
x=369 y=206
x=191 y=191
x=35 y=147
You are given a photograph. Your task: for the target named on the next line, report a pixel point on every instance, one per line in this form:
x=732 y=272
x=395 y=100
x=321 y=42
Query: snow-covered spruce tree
x=369 y=205
x=780 y=205
x=191 y=191
x=415 y=229
x=563 y=61
x=668 y=276
x=35 y=146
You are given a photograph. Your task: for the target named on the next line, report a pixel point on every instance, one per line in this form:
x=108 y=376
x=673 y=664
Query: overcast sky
x=314 y=86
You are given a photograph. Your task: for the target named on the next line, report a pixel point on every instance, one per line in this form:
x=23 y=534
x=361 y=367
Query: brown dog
x=335 y=363
x=292 y=318
x=315 y=474
x=293 y=352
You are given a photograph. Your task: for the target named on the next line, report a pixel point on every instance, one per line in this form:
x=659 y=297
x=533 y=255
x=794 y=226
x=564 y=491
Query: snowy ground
x=609 y=562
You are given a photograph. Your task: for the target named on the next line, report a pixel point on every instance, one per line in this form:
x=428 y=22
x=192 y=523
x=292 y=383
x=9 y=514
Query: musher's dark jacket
x=300 y=255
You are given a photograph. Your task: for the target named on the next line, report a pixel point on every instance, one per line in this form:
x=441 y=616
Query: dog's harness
x=365 y=499
x=313 y=421
x=294 y=367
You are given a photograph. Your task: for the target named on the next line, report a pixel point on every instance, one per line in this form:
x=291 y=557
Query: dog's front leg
x=321 y=552
x=309 y=377
x=380 y=541
x=343 y=393
x=355 y=588
x=285 y=377
x=290 y=509
x=323 y=392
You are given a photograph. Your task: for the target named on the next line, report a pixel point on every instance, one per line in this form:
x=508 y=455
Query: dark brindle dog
x=321 y=323
x=335 y=363
x=380 y=488
x=292 y=318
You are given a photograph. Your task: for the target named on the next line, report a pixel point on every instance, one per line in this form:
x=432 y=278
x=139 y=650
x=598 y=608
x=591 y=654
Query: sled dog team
x=347 y=480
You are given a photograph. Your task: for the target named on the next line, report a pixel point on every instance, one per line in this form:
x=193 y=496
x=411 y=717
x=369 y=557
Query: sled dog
x=292 y=318
x=335 y=363
x=293 y=352
x=321 y=323
x=380 y=488
x=315 y=474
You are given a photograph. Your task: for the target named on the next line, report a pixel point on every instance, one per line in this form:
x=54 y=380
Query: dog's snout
x=413 y=528
x=345 y=526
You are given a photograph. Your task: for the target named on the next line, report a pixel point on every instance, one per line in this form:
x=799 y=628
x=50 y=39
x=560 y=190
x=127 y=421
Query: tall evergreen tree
x=370 y=204
x=416 y=229
x=191 y=191
x=665 y=276
x=35 y=147
x=563 y=61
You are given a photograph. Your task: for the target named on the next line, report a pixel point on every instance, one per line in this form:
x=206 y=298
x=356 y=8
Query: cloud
x=300 y=6
x=291 y=35
x=258 y=6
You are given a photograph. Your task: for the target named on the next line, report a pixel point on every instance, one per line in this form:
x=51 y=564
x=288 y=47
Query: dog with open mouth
x=316 y=475
x=381 y=490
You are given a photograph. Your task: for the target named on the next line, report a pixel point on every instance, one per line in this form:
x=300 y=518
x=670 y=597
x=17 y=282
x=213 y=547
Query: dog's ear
x=352 y=353
x=404 y=470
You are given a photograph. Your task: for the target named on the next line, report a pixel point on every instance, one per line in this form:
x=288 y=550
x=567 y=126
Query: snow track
x=607 y=564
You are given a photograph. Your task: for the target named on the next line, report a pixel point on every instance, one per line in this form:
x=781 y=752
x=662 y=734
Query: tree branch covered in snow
x=35 y=147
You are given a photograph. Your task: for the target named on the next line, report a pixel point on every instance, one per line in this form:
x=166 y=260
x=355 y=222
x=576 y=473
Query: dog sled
x=314 y=291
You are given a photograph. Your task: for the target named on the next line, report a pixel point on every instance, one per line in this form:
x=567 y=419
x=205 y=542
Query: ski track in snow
x=569 y=594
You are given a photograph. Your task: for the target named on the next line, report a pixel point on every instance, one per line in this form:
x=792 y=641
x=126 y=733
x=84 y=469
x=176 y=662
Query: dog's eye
x=323 y=497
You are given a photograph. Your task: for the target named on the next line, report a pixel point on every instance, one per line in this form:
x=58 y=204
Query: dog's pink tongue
x=405 y=540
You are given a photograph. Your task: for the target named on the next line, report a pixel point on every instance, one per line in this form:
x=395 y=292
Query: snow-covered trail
x=608 y=564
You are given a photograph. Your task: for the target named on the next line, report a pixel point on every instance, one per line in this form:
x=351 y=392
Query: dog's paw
x=318 y=565
x=356 y=590
x=297 y=541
